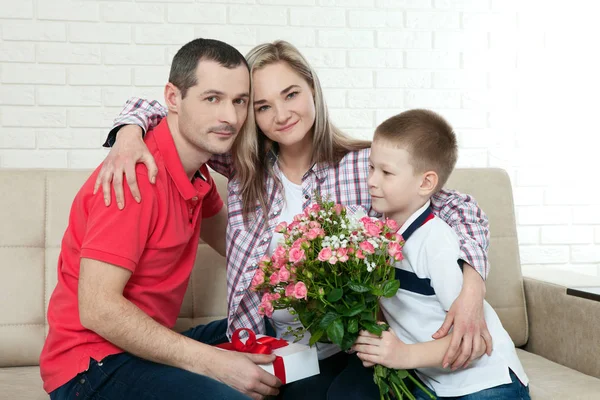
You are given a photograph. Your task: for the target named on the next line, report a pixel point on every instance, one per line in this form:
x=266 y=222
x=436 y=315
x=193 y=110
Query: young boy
x=412 y=156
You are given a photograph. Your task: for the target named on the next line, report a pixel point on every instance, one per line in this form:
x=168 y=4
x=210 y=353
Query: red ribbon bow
x=263 y=345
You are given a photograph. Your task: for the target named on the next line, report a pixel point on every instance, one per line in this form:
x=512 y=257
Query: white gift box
x=300 y=361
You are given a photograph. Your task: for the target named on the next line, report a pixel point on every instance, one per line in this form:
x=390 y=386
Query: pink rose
x=365 y=220
x=281 y=227
x=391 y=224
x=314 y=224
x=259 y=278
x=395 y=250
x=300 y=290
x=297 y=255
x=338 y=208
x=372 y=229
x=325 y=254
x=290 y=290
x=266 y=308
x=342 y=254
x=360 y=255
x=274 y=279
x=284 y=275
x=315 y=233
x=332 y=260
x=367 y=247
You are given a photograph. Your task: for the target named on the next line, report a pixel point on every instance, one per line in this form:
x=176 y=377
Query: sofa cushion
x=21 y=383
x=492 y=190
x=549 y=380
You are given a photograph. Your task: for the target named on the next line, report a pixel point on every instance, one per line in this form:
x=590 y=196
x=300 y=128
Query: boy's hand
x=387 y=350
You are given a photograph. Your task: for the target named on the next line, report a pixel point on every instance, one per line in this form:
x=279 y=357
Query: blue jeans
x=124 y=376
x=510 y=391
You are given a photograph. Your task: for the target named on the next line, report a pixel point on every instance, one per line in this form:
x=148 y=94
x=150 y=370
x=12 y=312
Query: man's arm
x=214 y=229
x=104 y=310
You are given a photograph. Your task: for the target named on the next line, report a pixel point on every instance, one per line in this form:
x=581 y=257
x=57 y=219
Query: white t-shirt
x=430 y=261
x=282 y=319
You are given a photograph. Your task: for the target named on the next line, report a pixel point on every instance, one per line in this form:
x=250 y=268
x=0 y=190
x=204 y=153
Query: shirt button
x=306 y=197
x=195 y=198
x=82 y=381
x=265 y=240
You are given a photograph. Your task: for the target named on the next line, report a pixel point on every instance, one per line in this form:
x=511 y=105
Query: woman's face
x=284 y=106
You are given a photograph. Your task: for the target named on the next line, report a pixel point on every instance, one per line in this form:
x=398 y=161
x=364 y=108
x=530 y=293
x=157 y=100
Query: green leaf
x=348 y=340
x=381 y=371
x=367 y=316
x=358 y=287
x=355 y=310
x=402 y=373
x=315 y=336
x=335 y=295
x=390 y=288
x=353 y=325
x=327 y=320
x=372 y=327
x=306 y=317
x=335 y=331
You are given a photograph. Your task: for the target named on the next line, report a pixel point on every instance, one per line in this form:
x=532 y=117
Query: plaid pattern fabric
x=345 y=183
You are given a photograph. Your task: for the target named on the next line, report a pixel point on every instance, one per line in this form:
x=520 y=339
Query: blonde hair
x=252 y=147
x=428 y=138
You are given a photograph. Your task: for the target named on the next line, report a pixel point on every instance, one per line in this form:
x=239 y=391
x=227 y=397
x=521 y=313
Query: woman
x=289 y=149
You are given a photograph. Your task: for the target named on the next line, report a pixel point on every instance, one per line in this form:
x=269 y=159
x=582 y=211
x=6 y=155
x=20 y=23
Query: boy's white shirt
x=282 y=318
x=432 y=253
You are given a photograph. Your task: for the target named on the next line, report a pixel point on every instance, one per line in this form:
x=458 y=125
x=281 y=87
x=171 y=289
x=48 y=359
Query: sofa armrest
x=563 y=328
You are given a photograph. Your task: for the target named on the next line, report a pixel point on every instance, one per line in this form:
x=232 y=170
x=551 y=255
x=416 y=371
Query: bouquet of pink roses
x=331 y=270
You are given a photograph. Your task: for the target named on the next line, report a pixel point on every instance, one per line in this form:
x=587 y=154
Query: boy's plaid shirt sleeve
x=470 y=223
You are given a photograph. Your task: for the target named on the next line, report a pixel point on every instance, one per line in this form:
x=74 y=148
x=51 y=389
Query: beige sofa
x=558 y=334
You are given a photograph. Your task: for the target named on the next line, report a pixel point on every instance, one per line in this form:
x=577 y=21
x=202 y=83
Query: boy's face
x=394 y=187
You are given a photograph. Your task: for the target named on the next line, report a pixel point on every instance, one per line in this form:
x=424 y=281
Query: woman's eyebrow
x=287 y=89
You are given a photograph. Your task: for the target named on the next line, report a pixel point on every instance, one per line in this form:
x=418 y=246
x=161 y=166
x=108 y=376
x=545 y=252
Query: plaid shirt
x=345 y=183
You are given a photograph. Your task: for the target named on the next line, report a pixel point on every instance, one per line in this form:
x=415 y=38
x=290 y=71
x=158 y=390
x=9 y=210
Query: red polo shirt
x=156 y=240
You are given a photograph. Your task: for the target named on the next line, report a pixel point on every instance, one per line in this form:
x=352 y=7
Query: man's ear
x=429 y=181
x=172 y=98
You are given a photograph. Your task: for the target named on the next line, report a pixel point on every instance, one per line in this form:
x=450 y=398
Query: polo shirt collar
x=413 y=217
x=168 y=151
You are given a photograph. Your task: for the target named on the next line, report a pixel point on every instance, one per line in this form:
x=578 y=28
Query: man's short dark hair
x=183 y=67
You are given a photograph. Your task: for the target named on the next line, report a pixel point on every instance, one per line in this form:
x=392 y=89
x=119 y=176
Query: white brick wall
x=516 y=79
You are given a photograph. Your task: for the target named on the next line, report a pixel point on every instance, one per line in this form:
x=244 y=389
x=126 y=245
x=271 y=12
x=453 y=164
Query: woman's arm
x=128 y=149
x=470 y=223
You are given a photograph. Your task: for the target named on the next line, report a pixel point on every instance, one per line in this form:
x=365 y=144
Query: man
x=122 y=275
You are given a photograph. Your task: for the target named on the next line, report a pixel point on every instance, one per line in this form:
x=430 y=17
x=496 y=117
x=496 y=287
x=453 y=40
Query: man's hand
x=467 y=317
x=387 y=350
x=128 y=150
x=241 y=372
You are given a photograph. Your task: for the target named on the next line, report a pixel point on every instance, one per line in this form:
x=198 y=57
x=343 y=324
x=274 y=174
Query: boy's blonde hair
x=428 y=138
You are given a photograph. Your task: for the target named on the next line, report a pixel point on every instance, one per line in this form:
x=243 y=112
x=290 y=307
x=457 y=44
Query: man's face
x=214 y=110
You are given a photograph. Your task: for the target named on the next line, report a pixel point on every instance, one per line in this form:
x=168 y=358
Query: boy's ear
x=172 y=97
x=428 y=183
